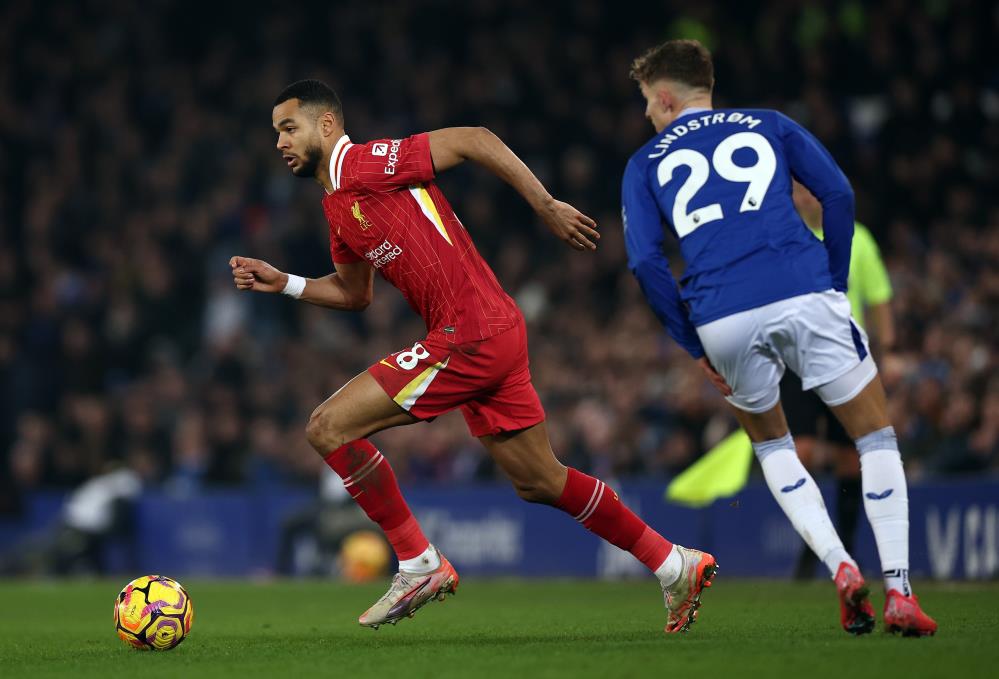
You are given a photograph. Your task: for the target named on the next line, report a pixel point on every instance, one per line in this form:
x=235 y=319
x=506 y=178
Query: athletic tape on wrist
x=294 y=287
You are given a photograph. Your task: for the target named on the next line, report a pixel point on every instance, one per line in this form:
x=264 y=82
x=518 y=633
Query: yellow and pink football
x=153 y=613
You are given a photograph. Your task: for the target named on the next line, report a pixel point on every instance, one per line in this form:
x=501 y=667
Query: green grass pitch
x=495 y=628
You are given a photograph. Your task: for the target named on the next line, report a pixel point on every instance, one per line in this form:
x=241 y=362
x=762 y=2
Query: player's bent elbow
x=844 y=194
x=357 y=297
x=362 y=301
x=484 y=136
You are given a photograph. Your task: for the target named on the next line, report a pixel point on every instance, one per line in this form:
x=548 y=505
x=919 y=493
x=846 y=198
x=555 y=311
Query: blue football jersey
x=720 y=180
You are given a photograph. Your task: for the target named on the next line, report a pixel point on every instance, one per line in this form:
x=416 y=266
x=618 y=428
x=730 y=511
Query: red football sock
x=598 y=508
x=370 y=480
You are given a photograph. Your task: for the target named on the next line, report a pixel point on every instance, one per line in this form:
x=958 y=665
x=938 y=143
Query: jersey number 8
x=408 y=360
x=758 y=176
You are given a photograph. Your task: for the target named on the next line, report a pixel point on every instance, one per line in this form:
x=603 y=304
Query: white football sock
x=898 y=580
x=671 y=569
x=796 y=493
x=426 y=562
x=886 y=501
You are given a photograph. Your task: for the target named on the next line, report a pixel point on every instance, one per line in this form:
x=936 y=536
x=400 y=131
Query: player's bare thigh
x=358 y=409
x=765 y=426
x=527 y=459
x=866 y=412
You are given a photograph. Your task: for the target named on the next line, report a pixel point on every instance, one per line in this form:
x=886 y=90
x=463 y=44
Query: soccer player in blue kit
x=759 y=293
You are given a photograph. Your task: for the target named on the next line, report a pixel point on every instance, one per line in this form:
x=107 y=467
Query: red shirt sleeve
x=339 y=251
x=387 y=164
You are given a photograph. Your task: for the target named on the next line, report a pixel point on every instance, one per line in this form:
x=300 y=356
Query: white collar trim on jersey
x=688 y=111
x=336 y=160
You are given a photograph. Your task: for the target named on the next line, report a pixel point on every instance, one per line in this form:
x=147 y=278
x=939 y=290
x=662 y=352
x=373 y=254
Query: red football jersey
x=385 y=209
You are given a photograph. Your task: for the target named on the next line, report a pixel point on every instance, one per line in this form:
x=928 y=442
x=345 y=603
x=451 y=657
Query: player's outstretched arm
x=454 y=145
x=349 y=289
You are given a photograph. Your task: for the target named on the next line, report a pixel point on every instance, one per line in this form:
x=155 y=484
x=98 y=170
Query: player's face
x=298 y=138
x=656 y=108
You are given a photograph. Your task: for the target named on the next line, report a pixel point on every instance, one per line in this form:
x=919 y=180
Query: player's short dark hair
x=312 y=93
x=685 y=61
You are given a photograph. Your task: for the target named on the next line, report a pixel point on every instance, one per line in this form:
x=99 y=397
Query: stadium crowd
x=137 y=157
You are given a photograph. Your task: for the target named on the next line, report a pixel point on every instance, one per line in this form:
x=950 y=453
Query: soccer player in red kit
x=385 y=213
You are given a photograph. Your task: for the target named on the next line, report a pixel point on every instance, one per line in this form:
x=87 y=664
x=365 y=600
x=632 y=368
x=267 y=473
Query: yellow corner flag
x=721 y=472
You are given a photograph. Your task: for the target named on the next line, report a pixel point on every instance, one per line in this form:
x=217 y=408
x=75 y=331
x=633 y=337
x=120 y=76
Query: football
x=364 y=556
x=153 y=613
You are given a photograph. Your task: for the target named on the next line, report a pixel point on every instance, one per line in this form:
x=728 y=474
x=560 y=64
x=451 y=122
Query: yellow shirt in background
x=868 y=282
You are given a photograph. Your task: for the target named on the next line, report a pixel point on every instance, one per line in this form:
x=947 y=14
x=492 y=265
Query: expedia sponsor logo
x=379 y=149
x=393 y=156
x=383 y=254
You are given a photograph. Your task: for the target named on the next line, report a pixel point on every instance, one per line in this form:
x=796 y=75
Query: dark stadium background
x=136 y=156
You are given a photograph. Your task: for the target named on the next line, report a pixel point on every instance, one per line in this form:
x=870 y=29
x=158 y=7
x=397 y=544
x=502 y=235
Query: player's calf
x=885 y=494
x=527 y=459
x=683 y=573
x=799 y=497
x=369 y=479
x=886 y=502
x=544 y=490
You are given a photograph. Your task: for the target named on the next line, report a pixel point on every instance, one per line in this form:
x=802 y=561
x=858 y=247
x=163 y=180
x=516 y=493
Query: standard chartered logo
x=383 y=254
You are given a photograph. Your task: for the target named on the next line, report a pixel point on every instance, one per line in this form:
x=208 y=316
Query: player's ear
x=664 y=97
x=327 y=124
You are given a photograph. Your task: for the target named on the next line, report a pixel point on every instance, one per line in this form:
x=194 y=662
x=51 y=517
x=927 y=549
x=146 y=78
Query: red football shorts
x=489 y=380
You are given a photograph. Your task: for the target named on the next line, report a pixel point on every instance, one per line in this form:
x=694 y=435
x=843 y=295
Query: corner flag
x=721 y=472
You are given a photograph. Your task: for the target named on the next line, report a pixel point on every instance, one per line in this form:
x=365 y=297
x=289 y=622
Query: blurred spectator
x=96 y=516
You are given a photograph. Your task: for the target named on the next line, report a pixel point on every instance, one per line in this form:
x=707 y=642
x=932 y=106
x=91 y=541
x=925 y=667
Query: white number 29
x=758 y=176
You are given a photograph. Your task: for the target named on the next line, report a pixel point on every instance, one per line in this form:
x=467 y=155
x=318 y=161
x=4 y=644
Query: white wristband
x=294 y=287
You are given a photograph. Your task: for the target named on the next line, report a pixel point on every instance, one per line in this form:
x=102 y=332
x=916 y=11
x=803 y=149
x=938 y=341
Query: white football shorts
x=812 y=334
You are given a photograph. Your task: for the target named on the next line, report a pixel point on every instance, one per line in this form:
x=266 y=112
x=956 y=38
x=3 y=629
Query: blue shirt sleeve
x=643 y=238
x=813 y=166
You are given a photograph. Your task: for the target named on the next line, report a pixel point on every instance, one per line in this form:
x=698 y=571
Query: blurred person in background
x=96 y=516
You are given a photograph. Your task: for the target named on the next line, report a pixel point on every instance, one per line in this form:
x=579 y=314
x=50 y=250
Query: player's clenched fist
x=256 y=274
